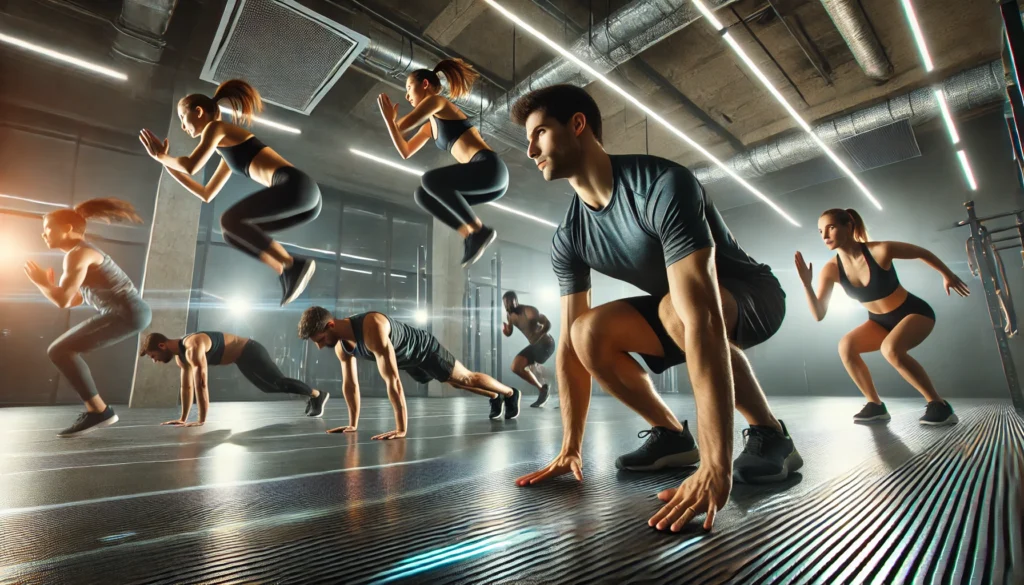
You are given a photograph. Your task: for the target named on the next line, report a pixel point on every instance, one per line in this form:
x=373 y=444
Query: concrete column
x=167 y=277
x=448 y=283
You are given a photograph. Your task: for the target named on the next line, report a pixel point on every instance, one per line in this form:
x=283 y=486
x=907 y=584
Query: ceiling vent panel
x=291 y=54
x=883 y=146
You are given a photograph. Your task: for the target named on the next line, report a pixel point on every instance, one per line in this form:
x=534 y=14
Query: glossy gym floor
x=261 y=495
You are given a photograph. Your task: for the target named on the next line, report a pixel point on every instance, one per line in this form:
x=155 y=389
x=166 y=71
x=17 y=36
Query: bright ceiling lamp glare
x=966 y=166
x=908 y=8
x=940 y=96
x=237 y=306
x=735 y=46
x=421 y=317
x=58 y=56
x=418 y=173
x=266 y=122
x=651 y=114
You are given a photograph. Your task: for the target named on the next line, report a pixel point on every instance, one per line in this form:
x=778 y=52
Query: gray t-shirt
x=658 y=215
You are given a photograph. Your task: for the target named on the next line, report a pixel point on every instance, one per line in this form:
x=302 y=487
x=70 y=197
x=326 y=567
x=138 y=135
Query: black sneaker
x=872 y=413
x=512 y=404
x=476 y=243
x=497 y=407
x=664 y=448
x=768 y=456
x=315 y=406
x=296 y=277
x=542 y=398
x=90 y=421
x=939 y=414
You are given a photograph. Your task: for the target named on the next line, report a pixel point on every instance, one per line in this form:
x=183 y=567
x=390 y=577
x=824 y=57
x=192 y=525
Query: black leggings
x=448 y=192
x=257 y=367
x=292 y=199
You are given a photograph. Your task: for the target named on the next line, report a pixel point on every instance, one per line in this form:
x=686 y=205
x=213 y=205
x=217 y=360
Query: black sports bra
x=449 y=132
x=881 y=283
x=239 y=156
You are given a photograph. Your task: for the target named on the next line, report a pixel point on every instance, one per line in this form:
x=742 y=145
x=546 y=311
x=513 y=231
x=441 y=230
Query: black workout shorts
x=438 y=365
x=540 y=351
x=914 y=305
x=761 y=305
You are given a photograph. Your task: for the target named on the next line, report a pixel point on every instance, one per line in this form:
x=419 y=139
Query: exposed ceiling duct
x=141 y=27
x=625 y=34
x=964 y=91
x=852 y=22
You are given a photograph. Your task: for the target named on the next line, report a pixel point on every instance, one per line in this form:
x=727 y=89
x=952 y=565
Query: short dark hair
x=314 y=322
x=152 y=342
x=560 y=102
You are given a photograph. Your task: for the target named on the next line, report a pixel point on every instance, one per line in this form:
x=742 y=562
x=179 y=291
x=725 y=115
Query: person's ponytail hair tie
x=460 y=77
x=849 y=217
x=241 y=98
x=106 y=210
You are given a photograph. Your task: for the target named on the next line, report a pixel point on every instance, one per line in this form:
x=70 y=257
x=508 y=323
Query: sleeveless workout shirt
x=881 y=283
x=106 y=287
x=216 y=351
x=412 y=345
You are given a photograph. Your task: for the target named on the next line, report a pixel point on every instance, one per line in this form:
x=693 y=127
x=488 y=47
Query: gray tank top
x=106 y=287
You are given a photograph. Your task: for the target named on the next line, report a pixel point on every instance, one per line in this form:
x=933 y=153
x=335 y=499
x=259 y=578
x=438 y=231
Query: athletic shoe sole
x=307 y=275
x=519 y=400
x=792 y=463
x=480 y=252
x=98 y=425
x=497 y=415
x=687 y=459
x=952 y=420
x=323 y=405
x=539 y=403
x=873 y=419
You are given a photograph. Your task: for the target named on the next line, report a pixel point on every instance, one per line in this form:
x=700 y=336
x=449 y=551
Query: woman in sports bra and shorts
x=897 y=320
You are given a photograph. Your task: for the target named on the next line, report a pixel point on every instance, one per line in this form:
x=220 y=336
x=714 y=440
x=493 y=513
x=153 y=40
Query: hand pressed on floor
x=706 y=491
x=389 y=435
x=564 y=463
x=344 y=429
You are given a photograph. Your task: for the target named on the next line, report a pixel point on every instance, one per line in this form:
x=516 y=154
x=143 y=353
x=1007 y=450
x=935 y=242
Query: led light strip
x=651 y=114
x=966 y=166
x=265 y=122
x=908 y=8
x=58 y=56
x=32 y=201
x=940 y=96
x=731 y=41
x=418 y=173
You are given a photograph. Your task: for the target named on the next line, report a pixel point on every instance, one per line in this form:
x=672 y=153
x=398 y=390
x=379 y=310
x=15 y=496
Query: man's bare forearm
x=709 y=364
x=574 y=396
x=351 y=393
x=202 y=392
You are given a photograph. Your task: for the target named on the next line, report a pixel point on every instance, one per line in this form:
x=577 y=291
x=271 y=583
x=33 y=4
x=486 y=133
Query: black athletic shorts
x=912 y=306
x=438 y=365
x=540 y=351
x=761 y=306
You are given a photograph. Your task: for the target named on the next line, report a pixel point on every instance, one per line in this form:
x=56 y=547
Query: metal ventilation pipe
x=141 y=27
x=623 y=35
x=964 y=91
x=852 y=22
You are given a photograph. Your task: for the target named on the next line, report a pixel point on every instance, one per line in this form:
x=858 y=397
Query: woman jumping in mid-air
x=291 y=198
x=480 y=177
x=897 y=320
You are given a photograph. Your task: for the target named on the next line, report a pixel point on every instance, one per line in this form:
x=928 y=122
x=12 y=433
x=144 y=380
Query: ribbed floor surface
x=262 y=495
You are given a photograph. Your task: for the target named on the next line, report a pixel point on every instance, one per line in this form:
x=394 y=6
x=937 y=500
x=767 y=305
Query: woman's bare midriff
x=466 y=147
x=889 y=303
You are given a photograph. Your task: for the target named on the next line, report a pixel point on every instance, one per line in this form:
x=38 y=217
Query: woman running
x=89 y=276
x=447 y=192
x=897 y=320
x=291 y=198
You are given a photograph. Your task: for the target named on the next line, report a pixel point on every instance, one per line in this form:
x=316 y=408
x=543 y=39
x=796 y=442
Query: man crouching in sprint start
x=196 y=352
x=396 y=346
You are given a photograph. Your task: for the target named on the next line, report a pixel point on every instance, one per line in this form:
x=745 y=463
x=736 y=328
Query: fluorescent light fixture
x=32 y=201
x=62 y=57
x=265 y=122
x=418 y=173
x=651 y=114
x=918 y=37
x=402 y=276
x=522 y=214
x=386 y=162
x=354 y=270
x=709 y=15
x=731 y=41
x=940 y=96
x=966 y=166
